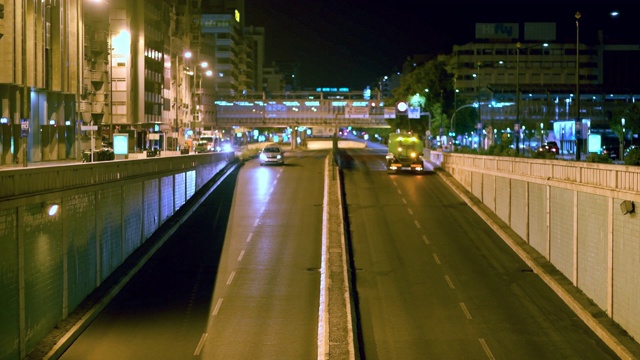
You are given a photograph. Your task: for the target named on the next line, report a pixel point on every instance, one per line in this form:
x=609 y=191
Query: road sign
x=356 y=112
x=389 y=112
x=414 y=113
x=88 y=127
x=24 y=129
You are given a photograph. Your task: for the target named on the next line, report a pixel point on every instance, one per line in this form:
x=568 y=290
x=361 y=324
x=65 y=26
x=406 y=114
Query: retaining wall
x=50 y=264
x=571 y=213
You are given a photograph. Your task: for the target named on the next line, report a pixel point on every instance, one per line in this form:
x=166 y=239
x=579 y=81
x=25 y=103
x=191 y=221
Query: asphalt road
x=434 y=281
x=252 y=296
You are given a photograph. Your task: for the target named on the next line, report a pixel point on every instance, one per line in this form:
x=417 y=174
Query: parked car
x=550 y=147
x=271 y=154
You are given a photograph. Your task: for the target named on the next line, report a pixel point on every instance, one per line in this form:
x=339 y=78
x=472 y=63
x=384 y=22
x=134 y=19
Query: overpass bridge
x=309 y=112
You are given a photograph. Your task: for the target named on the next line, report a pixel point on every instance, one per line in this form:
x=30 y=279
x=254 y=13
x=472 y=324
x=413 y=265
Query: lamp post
x=186 y=54
x=578 y=121
x=517 y=124
x=198 y=75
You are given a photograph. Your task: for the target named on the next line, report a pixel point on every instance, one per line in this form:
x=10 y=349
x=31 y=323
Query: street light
x=187 y=55
x=578 y=121
x=516 y=126
x=198 y=74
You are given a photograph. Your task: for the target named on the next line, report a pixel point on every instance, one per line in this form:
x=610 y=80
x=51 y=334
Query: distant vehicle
x=613 y=151
x=104 y=154
x=405 y=153
x=271 y=154
x=203 y=146
x=550 y=147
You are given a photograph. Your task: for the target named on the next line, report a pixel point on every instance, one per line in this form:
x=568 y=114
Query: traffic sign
x=88 y=127
x=414 y=113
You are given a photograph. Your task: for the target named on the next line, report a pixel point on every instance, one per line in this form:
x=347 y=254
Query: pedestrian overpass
x=309 y=112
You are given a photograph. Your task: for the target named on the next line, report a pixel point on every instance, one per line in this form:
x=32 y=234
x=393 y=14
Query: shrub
x=632 y=157
x=598 y=158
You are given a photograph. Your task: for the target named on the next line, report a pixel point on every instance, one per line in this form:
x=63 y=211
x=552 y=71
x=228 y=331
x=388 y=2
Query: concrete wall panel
x=503 y=198
x=626 y=269
x=593 y=211
x=538 y=218
x=81 y=246
x=109 y=208
x=43 y=272
x=519 y=207
x=476 y=184
x=179 y=189
x=132 y=198
x=167 y=198
x=190 y=184
x=9 y=316
x=489 y=191
x=151 y=216
x=561 y=230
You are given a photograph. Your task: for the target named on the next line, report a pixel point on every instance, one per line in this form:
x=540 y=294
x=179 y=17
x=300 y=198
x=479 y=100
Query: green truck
x=405 y=153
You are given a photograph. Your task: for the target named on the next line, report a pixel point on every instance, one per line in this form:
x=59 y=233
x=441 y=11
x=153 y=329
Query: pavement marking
x=404 y=200
x=399 y=192
x=435 y=257
x=465 y=311
x=203 y=338
x=426 y=241
x=241 y=255
x=446 y=277
x=410 y=212
x=249 y=237
x=486 y=349
x=256 y=223
x=217 y=307
x=230 y=279
x=417 y=223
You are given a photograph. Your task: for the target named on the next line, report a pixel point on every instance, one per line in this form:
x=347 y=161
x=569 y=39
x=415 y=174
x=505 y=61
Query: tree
x=431 y=81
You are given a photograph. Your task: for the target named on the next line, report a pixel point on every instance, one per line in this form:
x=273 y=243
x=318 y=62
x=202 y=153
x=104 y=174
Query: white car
x=272 y=154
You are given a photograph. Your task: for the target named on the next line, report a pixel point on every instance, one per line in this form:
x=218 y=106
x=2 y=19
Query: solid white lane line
x=217 y=307
x=249 y=237
x=241 y=255
x=435 y=257
x=256 y=223
x=417 y=223
x=486 y=349
x=465 y=311
x=203 y=338
x=410 y=212
x=446 y=277
x=230 y=279
x=426 y=241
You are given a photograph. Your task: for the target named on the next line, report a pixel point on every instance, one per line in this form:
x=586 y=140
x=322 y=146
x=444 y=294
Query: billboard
x=497 y=31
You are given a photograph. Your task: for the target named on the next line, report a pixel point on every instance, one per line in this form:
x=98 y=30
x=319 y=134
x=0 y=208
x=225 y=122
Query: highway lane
x=256 y=297
x=435 y=282
x=268 y=285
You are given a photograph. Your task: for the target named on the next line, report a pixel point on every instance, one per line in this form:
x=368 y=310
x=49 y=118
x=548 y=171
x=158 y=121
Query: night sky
x=352 y=43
